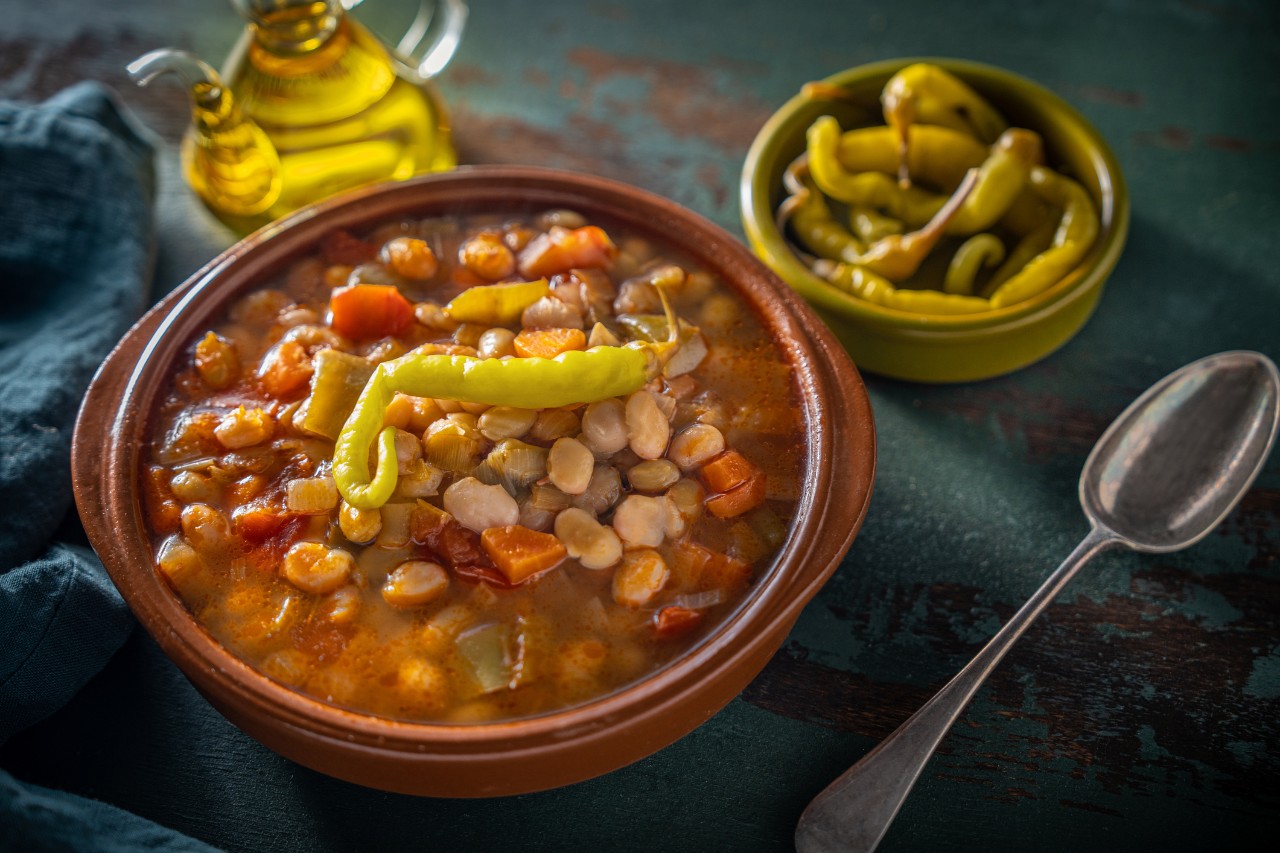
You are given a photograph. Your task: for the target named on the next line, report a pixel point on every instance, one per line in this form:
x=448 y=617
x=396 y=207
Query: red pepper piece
x=673 y=621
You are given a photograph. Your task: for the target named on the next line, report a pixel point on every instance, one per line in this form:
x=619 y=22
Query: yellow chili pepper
x=866 y=285
x=496 y=304
x=1077 y=229
x=980 y=250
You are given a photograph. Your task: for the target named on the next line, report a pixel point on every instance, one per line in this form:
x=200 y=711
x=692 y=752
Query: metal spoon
x=1160 y=478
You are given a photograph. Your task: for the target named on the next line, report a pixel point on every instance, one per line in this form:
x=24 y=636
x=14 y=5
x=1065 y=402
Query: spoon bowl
x=1171 y=467
x=1163 y=475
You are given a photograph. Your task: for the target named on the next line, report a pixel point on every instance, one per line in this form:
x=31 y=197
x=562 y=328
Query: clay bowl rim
x=107 y=495
x=756 y=194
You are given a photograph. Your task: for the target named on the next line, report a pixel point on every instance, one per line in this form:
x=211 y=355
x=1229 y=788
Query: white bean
x=694 y=445
x=604 y=426
x=479 y=507
x=569 y=466
x=648 y=430
x=591 y=543
x=641 y=520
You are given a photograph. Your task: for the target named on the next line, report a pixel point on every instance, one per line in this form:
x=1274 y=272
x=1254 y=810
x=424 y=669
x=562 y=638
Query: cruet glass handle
x=433 y=37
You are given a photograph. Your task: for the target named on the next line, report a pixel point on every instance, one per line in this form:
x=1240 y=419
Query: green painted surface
x=1143 y=710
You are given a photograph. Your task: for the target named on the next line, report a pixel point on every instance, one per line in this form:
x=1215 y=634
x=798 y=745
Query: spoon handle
x=854 y=812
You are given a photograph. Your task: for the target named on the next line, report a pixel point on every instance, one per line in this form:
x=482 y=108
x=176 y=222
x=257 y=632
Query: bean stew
x=473 y=468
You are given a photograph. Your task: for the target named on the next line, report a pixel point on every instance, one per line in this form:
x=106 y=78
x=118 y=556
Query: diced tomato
x=452 y=543
x=483 y=574
x=320 y=639
x=256 y=522
x=343 y=247
x=369 y=311
x=548 y=343
x=267 y=554
x=672 y=621
x=740 y=499
x=561 y=249
x=521 y=553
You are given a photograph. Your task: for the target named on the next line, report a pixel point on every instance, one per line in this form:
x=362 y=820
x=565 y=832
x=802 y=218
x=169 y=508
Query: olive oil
x=336 y=110
x=312 y=104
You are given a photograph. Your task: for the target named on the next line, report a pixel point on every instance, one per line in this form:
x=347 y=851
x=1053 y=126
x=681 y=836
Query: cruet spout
x=228 y=160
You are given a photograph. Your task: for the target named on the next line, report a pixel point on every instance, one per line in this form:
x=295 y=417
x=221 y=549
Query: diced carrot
x=521 y=553
x=726 y=573
x=672 y=621
x=740 y=499
x=343 y=247
x=695 y=566
x=164 y=513
x=688 y=559
x=548 y=343
x=727 y=471
x=562 y=249
x=367 y=311
x=285 y=370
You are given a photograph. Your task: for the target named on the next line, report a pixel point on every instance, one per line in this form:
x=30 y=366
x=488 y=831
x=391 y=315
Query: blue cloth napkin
x=76 y=237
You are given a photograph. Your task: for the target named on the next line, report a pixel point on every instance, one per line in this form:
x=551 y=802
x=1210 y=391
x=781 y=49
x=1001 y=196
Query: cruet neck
x=291 y=26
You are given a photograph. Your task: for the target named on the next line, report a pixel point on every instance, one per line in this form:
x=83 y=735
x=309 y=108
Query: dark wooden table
x=1143 y=710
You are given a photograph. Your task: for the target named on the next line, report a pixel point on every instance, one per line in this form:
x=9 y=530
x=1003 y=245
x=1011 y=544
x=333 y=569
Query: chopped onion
x=486 y=650
x=698 y=600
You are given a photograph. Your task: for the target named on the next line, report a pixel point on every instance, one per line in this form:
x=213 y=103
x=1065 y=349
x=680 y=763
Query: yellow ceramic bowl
x=933 y=348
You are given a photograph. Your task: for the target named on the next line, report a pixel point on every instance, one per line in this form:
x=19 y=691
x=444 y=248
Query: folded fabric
x=76 y=236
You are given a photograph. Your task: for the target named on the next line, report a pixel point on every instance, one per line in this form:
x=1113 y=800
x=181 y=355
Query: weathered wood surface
x=1143 y=710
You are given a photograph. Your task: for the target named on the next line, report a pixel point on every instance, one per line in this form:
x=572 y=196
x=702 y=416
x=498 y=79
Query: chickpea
x=415 y=583
x=342 y=605
x=216 y=361
x=487 y=256
x=205 y=529
x=316 y=568
x=244 y=428
x=642 y=575
x=496 y=343
x=359 y=525
x=410 y=258
x=190 y=487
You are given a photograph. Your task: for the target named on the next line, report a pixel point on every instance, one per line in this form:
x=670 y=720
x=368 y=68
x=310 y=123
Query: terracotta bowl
x=493 y=758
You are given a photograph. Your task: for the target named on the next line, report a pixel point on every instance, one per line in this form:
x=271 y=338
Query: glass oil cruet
x=311 y=103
